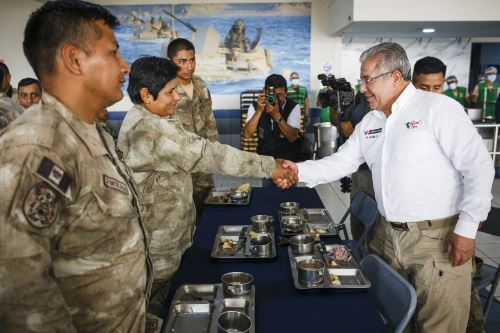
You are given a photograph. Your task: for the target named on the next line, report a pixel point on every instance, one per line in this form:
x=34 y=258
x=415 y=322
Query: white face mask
x=491 y=78
x=452 y=86
x=295 y=82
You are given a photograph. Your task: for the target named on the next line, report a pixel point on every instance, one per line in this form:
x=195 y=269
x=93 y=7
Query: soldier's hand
x=285 y=174
x=460 y=249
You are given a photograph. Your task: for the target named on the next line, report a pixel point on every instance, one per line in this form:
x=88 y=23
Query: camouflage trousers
x=443 y=291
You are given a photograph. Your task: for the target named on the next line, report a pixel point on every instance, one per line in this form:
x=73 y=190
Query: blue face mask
x=295 y=82
x=491 y=77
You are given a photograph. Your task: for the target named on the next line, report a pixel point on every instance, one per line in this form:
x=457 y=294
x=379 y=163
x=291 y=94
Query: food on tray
x=332 y=263
x=253 y=234
x=243 y=188
x=334 y=279
x=228 y=244
x=222 y=198
x=340 y=253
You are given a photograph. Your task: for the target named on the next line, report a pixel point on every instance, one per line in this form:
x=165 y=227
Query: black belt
x=426 y=224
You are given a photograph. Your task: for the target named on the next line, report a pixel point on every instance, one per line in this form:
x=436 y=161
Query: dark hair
x=152 y=73
x=27 y=81
x=429 y=65
x=60 y=22
x=276 y=81
x=179 y=44
x=4 y=71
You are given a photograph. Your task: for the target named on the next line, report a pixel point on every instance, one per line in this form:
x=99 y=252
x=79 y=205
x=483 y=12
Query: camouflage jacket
x=73 y=254
x=162 y=155
x=8 y=110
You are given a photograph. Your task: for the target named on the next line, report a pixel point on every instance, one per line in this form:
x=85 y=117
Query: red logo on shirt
x=412 y=124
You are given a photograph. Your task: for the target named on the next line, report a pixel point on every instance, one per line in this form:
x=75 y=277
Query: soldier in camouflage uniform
x=73 y=249
x=162 y=155
x=236 y=38
x=194 y=110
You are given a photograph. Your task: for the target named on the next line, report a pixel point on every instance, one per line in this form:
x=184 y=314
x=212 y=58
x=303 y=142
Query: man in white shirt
x=432 y=177
x=276 y=119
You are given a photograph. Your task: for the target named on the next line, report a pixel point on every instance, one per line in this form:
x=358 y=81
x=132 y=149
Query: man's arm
x=253 y=117
x=474 y=95
x=290 y=132
x=30 y=298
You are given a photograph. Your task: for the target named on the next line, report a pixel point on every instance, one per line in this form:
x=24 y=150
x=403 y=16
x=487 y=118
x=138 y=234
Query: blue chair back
x=394 y=296
x=364 y=207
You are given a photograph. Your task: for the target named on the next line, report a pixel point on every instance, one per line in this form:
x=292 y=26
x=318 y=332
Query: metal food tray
x=314 y=219
x=224 y=191
x=196 y=307
x=350 y=276
x=232 y=232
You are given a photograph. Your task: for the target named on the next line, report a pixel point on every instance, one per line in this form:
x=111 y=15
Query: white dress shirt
x=293 y=118
x=427 y=160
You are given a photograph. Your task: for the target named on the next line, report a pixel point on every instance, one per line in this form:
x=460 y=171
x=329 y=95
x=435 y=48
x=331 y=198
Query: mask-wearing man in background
x=29 y=92
x=459 y=94
x=194 y=110
x=485 y=94
x=298 y=94
x=428 y=74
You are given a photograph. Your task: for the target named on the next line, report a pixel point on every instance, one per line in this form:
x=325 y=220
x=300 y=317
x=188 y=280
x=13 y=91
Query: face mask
x=295 y=82
x=491 y=78
x=452 y=86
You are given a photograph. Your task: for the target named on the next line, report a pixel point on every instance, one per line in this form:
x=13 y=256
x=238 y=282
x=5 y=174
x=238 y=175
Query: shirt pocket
x=99 y=227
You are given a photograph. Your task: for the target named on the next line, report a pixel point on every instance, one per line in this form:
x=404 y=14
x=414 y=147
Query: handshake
x=286 y=173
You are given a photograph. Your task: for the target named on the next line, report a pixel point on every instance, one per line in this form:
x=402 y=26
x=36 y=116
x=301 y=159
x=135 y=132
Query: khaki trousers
x=443 y=292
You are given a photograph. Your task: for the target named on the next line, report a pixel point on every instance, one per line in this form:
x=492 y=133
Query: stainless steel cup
x=310 y=271
x=233 y=322
x=289 y=208
x=301 y=244
x=261 y=223
x=292 y=223
x=261 y=245
x=237 y=283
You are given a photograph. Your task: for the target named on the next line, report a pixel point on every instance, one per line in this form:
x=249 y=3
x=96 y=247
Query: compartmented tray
x=337 y=274
x=317 y=222
x=196 y=307
x=240 y=235
x=220 y=196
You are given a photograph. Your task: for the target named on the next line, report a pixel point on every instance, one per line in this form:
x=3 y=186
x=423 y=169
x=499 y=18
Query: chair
x=364 y=207
x=394 y=297
x=491 y=274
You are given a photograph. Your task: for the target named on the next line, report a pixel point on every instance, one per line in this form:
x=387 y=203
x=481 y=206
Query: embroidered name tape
x=115 y=184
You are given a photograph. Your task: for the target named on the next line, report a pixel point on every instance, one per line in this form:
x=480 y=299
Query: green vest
x=298 y=96
x=459 y=97
x=487 y=99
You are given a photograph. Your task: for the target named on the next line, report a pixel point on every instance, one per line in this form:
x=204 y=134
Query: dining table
x=279 y=305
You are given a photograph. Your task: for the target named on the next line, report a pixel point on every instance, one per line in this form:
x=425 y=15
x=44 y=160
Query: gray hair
x=391 y=57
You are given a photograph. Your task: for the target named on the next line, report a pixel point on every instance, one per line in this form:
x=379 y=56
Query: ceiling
x=414 y=29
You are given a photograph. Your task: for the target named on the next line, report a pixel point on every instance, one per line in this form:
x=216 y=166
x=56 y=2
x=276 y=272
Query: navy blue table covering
x=280 y=307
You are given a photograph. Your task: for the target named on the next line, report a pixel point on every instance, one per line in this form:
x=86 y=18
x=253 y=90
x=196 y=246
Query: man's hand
x=274 y=110
x=460 y=249
x=282 y=176
x=261 y=102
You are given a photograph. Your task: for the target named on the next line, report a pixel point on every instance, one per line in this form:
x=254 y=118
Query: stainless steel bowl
x=289 y=208
x=310 y=271
x=260 y=246
x=261 y=223
x=237 y=283
x=238 y=195
x=301 y=244
x=233 y=322
x=292 y=223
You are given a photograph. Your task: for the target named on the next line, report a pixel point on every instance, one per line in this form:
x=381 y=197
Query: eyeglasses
x=32 y=95
x=368 y=80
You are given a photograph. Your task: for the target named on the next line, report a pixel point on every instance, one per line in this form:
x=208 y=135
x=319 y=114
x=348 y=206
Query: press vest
x=271 y=141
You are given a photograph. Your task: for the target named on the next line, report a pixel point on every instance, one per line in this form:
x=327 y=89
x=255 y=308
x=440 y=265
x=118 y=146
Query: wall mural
x=237 y=45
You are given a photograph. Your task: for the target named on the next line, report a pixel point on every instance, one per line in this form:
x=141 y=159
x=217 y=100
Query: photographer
x=276 y=119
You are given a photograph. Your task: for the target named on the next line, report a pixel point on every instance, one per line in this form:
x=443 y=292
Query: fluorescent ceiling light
x=428 y=30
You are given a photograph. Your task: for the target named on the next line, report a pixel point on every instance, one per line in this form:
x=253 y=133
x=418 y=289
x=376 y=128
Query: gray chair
x=491 y=274
x=364 y=207
x=394 y=297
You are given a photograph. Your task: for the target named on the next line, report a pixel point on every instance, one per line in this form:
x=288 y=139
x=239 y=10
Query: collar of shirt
x=95 y=147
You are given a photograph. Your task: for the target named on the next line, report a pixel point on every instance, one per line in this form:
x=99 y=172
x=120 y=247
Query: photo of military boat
x=149 y=27
x=234 y=58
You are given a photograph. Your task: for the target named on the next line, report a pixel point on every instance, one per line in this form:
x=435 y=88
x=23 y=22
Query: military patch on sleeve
x=115 y=184
x=55 y=175
x=42 y=205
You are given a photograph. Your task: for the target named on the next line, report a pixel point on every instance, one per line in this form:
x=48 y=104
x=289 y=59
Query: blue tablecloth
x=280 y=307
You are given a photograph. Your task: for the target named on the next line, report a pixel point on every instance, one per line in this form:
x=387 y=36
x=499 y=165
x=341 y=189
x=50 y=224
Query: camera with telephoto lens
x=271 y=96
x=338 y=92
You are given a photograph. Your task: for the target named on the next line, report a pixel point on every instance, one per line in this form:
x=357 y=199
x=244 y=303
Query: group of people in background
x=92 y=231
